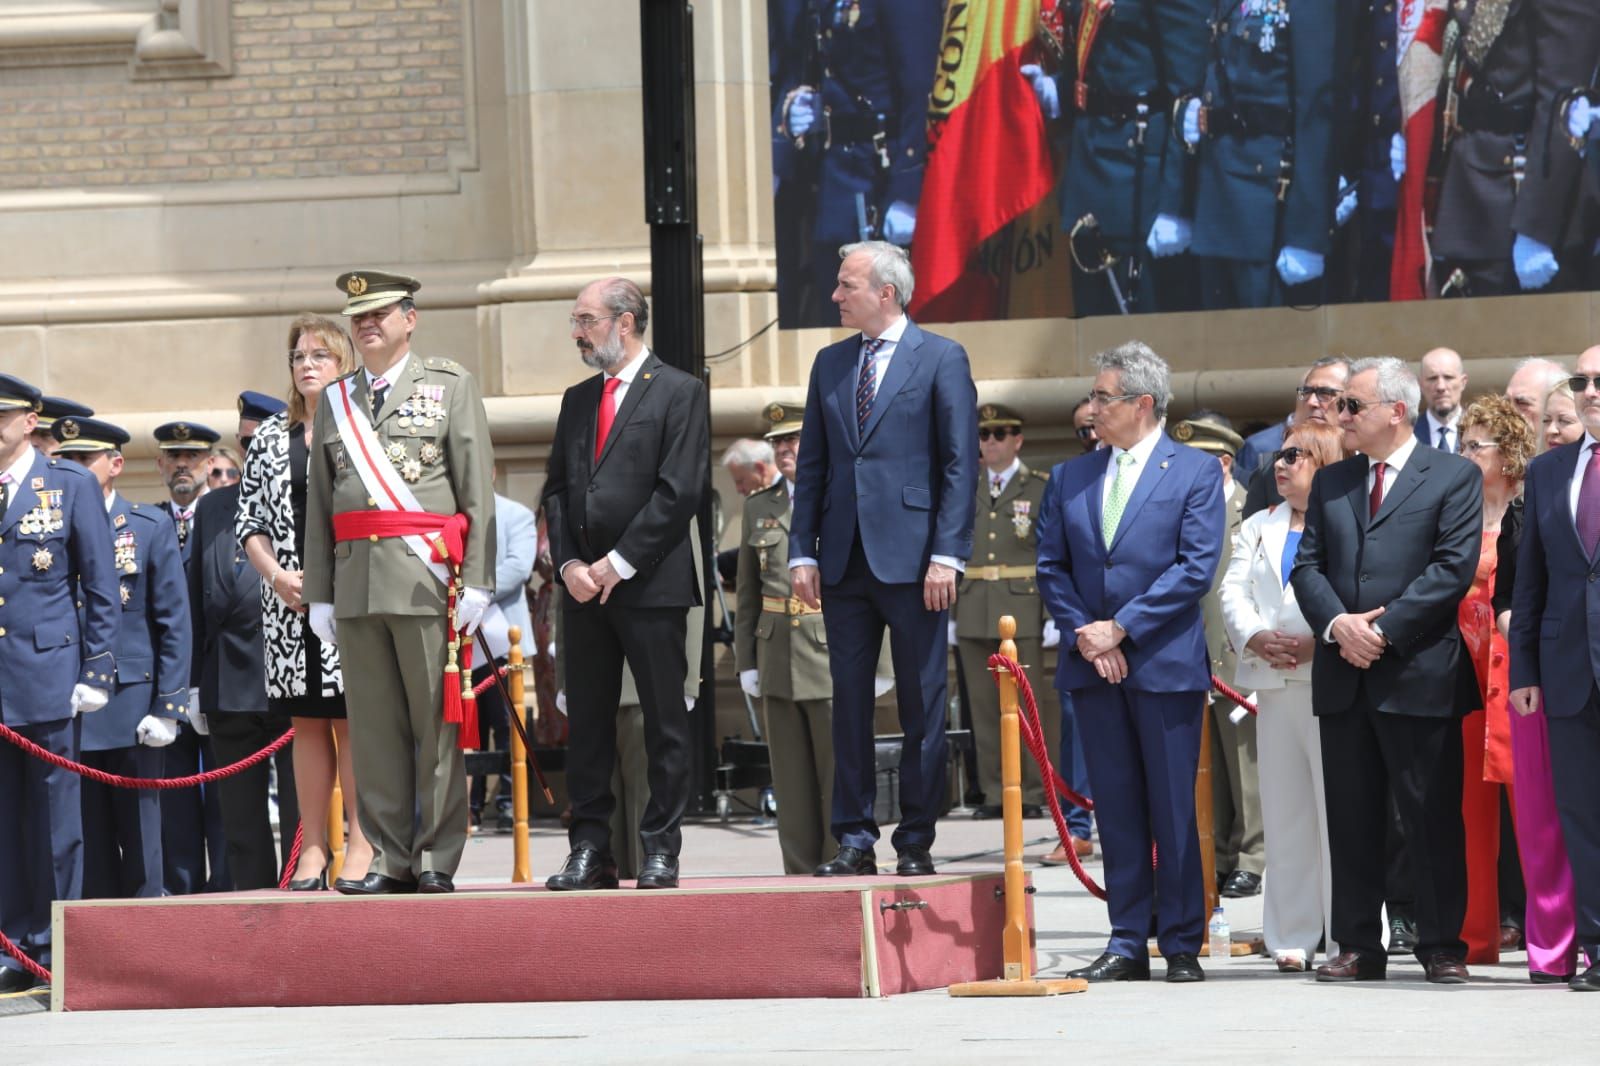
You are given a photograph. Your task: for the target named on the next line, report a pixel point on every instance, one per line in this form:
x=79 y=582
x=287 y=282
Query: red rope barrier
x=157 y=783
x=1232 y=693
x=27 y=964
x=293 y=858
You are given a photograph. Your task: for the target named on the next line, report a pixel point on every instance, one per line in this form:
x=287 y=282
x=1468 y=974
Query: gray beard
x=605 y=356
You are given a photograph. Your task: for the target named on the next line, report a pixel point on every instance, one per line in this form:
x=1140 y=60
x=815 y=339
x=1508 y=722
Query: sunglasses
x=1355 y=407
x=1290 y=456
x=1085 y=432
x=998 y=433
x=1579 y=383
x=1325 y=393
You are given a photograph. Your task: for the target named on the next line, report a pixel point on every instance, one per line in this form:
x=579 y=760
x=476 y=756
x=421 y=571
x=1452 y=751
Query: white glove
x=750 y=681
x=322 y=623
x=880 y=685
x=1580 y=116
x=1348 y=199
x=156 y=732
x=470 y=607
x=1044 y=89
x=688 y=703
x=1297 y=266
x=86 y=699
x=1052 y=635
x=802 y=113
x=951 y=635
x=1191 y=123
x=561 y=701
x=1535 y=263
x=900 y=222
x=1169 y=235
x=1397 y=156
x=196 y=716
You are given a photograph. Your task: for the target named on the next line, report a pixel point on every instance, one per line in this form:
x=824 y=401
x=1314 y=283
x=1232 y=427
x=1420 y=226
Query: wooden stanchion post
x=1205 y=817
x=335 y=820
x=1017 y=940
x=521 y=863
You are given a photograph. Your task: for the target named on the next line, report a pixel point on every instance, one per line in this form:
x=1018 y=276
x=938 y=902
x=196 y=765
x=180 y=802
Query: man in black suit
x=627 y=469
x=230 y=684
x=1390 y=546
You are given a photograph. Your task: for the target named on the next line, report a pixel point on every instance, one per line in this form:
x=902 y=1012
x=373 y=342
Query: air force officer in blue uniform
x=885 y=495
x=54 y=664
x=122 y=827
x=1130 y=539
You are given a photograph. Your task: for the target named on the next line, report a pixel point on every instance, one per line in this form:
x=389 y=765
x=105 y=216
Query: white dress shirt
x=1588 y=445
x=625 y=375
x=1451 y=426
x=19 y=472
x=1141 y=453
x=388 y=377
x=998 y=482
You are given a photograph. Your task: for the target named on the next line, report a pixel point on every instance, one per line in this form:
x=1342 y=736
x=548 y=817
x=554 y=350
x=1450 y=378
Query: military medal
x=396 y=453
x=1021 y=518
x=42 y=559
x=125 y=552
x=1274 y=17
x=127 y=594
x=430 y=453
x=411 y=470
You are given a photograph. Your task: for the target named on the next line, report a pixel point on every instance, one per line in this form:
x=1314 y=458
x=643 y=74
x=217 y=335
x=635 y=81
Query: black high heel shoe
x=318 y=883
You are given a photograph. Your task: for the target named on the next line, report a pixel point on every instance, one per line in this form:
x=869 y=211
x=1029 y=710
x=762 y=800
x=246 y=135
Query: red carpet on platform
x=734 y=938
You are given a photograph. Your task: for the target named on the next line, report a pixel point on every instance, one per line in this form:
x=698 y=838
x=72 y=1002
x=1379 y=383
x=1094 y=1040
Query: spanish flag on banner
x=988 y=158
x=1421 y=33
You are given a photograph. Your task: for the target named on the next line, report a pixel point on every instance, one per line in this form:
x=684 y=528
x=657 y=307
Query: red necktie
x=1589 y=504
x=608 y=414
x=1375 y=501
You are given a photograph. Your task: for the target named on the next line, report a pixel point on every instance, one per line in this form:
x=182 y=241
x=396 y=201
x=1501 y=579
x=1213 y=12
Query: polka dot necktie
x=867 y=383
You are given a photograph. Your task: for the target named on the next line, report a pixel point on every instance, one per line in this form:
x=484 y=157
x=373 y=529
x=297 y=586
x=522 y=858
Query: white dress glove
x=86 y=699
x=1052 y=635
x=196 y=716
x=1169 y=235
x=470 y=608
x=900 y=222
x=803 y=113
x=1044 y=89
x=320 y=616
x=561 y=701
x=1580 y=116
x=750 y=681
x=1534 y=262
x=1397 y=156
x=880 y=685
x=1349 y=200
x=1191 y=123
x=1297 y=266
x=156 y=732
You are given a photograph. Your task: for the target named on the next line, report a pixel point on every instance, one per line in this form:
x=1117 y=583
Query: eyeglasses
x=1355 y=407
x=1105 y=399
x=1473 y=447
x=224 y=475
x=1291 y=455
x=588 y=322
x=998 y=433
x=1580 y=383
x=1085 y=432
x=1325 y=393
x=320 y=356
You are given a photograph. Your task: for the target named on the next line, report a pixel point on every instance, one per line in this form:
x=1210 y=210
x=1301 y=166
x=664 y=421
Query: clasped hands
x=1282 y=651
x=1359 y=644
x=1100 y=643
x=585 y=581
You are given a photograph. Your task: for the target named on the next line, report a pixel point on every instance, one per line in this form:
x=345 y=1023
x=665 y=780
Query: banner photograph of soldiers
x=1065 y=158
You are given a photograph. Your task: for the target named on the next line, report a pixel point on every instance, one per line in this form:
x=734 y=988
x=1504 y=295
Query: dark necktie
x=5 y=493
x=380 y=392
x=608 y=415
x=1444 y=439
x=867 y=382
x=1375 y=501
x=1589 y=504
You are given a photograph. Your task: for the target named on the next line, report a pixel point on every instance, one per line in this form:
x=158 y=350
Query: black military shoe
x=1109 y=967
x=849 y=862
x=586 y=868
x=660 y=871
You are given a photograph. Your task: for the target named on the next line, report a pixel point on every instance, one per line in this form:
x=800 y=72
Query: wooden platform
x=785 y=937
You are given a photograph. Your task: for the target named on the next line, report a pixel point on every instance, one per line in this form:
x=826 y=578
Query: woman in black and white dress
x=303 y=678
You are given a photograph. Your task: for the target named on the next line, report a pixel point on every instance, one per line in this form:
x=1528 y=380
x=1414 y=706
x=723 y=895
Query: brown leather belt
x=1000 y=573
x=790 y=606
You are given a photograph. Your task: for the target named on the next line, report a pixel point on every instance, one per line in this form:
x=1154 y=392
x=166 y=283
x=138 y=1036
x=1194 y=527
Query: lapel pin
x=645 y=376
x=1163 y=466
x=36 y=484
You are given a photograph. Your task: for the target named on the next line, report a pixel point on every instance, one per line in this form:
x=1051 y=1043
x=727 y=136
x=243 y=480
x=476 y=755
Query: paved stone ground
x=1245 y=1011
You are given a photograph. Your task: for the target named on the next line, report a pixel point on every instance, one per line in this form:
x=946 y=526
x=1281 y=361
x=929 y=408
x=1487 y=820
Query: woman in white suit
x=1275 y=646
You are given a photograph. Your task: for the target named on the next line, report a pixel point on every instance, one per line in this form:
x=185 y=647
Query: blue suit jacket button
x=859 y=460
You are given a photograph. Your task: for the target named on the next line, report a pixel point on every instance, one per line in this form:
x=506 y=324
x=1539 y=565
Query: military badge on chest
x=423 y=408
x=1022 y=518
x=1274 y=16
x=45 y=517
x=126 y=552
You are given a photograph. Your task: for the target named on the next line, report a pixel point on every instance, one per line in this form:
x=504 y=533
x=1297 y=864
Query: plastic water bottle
x=1221 y=937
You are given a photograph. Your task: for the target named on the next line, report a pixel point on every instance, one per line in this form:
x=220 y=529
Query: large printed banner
x=1046 y=158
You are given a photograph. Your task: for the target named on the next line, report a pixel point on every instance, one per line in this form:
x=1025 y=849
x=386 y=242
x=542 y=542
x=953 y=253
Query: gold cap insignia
x=356 y=285
x=1183 y=431
x=987 y=411
x=180 y=432
x=69 y=429
x=774 y=413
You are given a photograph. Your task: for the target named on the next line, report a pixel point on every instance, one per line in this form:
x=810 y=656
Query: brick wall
x=320 y=89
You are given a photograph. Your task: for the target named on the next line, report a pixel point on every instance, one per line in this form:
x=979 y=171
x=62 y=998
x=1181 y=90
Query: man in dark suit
x=229 y=699
x=1315 y=399
x=1443 y=380
x=627 y=470
x=1555 y=650
x=1128 y=546
x=1390 y=547
x=885 y=496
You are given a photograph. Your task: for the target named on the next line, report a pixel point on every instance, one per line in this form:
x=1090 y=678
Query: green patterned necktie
x=1117 y=498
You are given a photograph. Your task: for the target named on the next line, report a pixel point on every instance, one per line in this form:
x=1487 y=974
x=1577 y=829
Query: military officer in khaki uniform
x=782 y=652
x=368 y=592
x=1000 y=581
x=1235 y=784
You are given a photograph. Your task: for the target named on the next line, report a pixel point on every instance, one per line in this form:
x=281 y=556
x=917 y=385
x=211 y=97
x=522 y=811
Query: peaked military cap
x=368 y=290
x=783 y=419
x=995 y=415
x=1208 y=436
x=54 y=407
x=185 y=437
x=79 y=435
x=258 y=406
x=14 y=393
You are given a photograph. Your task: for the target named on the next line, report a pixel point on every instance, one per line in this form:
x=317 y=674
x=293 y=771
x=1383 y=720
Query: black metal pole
x=677 y=290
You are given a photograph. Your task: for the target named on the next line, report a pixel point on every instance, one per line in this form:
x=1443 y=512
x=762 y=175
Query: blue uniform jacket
x=1152 y=577
x=154 y=641
x=54 y=548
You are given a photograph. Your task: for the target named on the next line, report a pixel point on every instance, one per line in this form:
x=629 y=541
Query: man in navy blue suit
x=55 y=663
x=885 y=495
x=1555 y=646
x=1129 y=542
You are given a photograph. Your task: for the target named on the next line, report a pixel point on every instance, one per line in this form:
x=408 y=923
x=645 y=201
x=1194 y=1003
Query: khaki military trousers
x=800 y=750
x=1236 y=793
x=985 y=696
x=406 y=759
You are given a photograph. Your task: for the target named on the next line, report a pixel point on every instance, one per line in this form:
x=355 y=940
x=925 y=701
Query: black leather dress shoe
x=15 y=981
x=1240 y=884
x=1109 y=967
x=1540 y=977
x=1402 y=935
x=586 y=868
x=1446 y=970
x=850 y=862
x=988 y=810
x=1587 y=981
x=914 y=862
x=1032 y=810
x=318 y=883
x=375 y=885
x=659 y=871
x=435 y=883
x=1348 y=966
x=1183 y=968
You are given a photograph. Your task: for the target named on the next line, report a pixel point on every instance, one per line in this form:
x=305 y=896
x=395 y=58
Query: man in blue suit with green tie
x=1129 y=542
